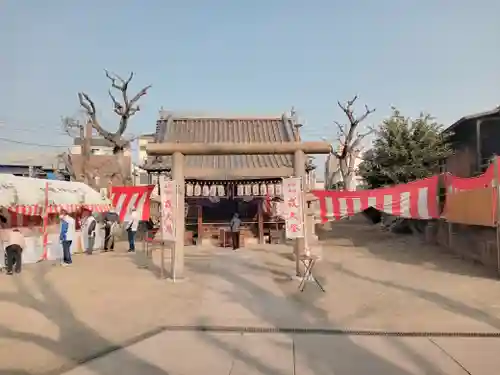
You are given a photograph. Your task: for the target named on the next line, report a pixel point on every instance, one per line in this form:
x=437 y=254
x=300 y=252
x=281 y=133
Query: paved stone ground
x=52 y=318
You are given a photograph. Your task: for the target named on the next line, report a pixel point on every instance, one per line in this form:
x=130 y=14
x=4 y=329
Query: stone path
x=62 y=317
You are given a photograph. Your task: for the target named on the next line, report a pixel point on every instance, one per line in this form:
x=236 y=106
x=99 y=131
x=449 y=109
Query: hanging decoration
x=197 y=190
x=189 y=190
x=263 y=189
x=213 y=190
x=221 y=191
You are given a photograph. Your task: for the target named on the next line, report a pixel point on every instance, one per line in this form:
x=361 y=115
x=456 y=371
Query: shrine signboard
x=168 y=199
x=293 y=207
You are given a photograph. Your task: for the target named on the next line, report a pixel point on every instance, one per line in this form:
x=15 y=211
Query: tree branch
x=128 y=108
x=90 y=108
x=71 y=126
x=352 y=139
x=125 y=109
x=341 y=128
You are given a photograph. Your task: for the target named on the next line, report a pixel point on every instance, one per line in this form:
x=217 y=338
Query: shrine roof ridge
x=164 y=115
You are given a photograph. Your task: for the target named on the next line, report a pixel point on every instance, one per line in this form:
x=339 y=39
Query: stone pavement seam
x=106 y=351
x=326 y=331
x=445 y=352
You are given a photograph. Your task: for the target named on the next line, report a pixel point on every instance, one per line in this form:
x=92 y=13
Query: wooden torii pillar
x=179 y=150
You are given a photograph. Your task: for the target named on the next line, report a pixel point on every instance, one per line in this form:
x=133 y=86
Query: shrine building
x=217 y=186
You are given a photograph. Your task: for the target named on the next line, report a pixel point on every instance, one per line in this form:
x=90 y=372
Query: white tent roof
x=16 y=191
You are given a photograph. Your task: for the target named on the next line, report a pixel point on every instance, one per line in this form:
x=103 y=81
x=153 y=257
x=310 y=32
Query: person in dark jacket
x=234 y=226
x=14 y=251
x=66 y=236
x=109 y=232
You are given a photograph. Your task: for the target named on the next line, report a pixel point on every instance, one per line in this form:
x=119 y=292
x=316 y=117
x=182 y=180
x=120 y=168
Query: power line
x=31 y=130
x=30 y=143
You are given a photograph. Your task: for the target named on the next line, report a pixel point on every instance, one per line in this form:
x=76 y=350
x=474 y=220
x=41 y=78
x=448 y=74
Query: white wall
x=97 y=150
x=333 y=175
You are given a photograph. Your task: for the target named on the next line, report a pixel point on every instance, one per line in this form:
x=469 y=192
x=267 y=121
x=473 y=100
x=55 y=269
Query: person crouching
x=14 y=251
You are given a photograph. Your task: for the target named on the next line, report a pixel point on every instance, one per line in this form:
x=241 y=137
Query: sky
x=244 y=58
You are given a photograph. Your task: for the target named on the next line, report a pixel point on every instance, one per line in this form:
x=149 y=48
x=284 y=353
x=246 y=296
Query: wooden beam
x=281 y=148
x=260 y=221
x=200 y=224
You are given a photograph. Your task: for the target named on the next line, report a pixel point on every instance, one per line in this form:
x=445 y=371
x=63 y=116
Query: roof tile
x=225 y=130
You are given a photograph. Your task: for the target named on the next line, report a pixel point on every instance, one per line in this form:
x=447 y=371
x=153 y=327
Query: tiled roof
x=39 y=159
x=227 y=130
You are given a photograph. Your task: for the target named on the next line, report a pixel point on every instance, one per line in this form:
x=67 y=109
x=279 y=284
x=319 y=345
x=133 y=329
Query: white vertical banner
x=168 y=199
x=293 y=207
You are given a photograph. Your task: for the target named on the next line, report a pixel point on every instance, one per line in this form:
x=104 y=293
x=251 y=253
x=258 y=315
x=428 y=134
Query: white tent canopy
x=25 y=191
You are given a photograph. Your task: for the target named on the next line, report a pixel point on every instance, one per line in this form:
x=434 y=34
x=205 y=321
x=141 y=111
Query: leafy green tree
x=404 y=150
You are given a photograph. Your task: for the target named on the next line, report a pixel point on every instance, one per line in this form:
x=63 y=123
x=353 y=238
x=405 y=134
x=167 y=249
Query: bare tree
x=350 y=140
x=125 y=109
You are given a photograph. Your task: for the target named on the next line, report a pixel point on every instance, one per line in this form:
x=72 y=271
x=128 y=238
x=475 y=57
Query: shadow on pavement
x=400 y=248
x=320 y=360
x=440 y=300
x=72 y=332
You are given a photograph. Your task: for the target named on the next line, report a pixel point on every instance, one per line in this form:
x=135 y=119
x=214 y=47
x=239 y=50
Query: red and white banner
x=454 y=184
x=125 y=198
x=294 y=207
x=37 y=210
x=168 y=199
x=416 y=200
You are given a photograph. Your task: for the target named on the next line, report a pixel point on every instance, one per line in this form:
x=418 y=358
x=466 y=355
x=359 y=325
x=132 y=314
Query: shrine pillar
x=177 y=261
x=299 y=169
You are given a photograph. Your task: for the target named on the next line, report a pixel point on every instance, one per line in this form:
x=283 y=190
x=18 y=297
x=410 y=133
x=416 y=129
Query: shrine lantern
x=240 y=190
x=189 y=190
x=213 y=190
x=278 y=189
x=255 y=189
x=206 y=191
x=197 y=190
x=221 y=191
x=263 y=189
x=270 y=189
x=248 y=190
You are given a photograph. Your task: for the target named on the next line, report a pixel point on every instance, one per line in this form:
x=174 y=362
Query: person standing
x=132 y=225
x=109 y=233
x=67 y=236
x=14 y=251
x=88 y=231
x=235 y=231
x=3 y=241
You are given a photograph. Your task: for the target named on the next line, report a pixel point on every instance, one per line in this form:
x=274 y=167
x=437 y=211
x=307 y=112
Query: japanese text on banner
x=168 y=198
x=293 y=207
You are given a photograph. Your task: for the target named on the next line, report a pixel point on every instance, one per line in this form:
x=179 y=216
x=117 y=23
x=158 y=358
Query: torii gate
x=179 y=150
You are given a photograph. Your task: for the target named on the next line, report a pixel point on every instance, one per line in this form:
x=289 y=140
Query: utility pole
x=86 y=152
x=85 y=135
